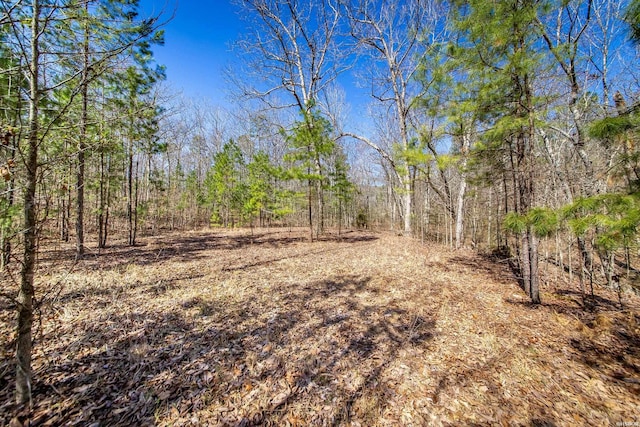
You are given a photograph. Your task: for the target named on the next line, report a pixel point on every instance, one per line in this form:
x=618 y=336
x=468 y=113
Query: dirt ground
x=231 y=329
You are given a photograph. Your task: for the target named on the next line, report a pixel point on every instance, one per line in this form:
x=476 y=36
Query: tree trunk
x=339 y=216
x=534 y=277
x=130 y=193
x=84 y=90
x=407 y=199
x=529 y=182
x=5 y=239
x=103 y=208
x=525 y=262
x=25 y=295
x=320 y=203
x=460 y=213
x=466 y=142
x=105 y=228
x=135 y=207
x=310 y=210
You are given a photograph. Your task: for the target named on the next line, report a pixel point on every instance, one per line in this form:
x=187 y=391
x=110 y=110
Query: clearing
x=229 y=328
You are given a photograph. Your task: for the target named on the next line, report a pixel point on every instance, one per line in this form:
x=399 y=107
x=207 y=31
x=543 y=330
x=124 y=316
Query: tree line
x=510 y=125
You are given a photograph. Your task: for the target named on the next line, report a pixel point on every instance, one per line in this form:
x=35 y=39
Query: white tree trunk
x=407 y=208
x=460 y=212
x=462 y=191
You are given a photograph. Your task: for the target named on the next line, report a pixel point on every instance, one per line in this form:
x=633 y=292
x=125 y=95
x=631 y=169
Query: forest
x=464 y=249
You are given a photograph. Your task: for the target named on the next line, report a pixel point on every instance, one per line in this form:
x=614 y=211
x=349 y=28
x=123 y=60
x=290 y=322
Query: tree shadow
x=608 y=340
x=188 y=247
x=104 y=295
x=611 y=345
x=349 y=237
x=570 y=303
x=248 y=361
x=498 y=269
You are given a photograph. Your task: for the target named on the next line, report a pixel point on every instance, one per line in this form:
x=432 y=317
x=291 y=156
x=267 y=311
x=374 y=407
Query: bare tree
x=293 y=51
x=604 y=40
x=393 y=35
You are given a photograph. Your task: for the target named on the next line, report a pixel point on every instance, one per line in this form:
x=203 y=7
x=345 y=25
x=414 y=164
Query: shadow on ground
x=190 y=247
x=243 y=361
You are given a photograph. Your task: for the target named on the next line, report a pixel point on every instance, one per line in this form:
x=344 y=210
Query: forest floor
x=233 y=329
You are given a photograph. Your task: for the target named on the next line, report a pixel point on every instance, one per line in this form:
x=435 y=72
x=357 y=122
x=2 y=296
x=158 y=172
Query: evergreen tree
x=497 y=43
x=632 y=17
x=140 y=125
x=340 y=185
x=225 y=186
x=311 y=145
x=259 y=187
x=12 y=83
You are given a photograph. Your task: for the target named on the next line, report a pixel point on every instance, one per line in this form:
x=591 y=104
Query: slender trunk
x=310 y=211
x=67 y=216
x=460 y=213
x=490 y=219
x=101 y=202
x=103 y=242
x=534 y=277
x=65 y=201
x=320 y=202
x=80 y=193
x=10 y=200
x=26 y=294
x=84 y=91
x=407 y=199
x=319 y=196
x=466 y=142
x=339 y=216
x=583 y=269
x=130 y=193
x=62 y=201
x=525 y=261
x=135 y=207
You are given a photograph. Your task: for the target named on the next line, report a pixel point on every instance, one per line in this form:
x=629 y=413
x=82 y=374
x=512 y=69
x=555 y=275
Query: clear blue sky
x=197 y=44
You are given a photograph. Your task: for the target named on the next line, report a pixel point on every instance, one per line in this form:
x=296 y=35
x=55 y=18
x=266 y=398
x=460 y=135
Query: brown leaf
x=164 y=395
x=280 y=398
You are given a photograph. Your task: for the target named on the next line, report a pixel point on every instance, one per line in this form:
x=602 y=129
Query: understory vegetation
x=234 y=328
x=499 y=146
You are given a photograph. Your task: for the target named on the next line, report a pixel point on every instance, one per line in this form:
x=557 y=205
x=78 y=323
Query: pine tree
x=311 y=145
x=140 y=112
x=340 y=185
x=225 y=186
x=12 y=83
x=497 y=43
x=632 y=17
x=259 y=187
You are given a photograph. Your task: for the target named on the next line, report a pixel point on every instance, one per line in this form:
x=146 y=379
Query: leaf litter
x=232 y=328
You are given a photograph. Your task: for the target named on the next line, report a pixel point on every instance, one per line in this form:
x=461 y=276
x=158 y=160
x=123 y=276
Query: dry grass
x=225 y=328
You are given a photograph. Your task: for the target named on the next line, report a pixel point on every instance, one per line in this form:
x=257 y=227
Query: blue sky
x=197 y=44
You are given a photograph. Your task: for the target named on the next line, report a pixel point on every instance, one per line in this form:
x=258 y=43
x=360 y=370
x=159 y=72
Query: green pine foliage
x=226 y=187
x=542 y=220
x=259 y=196
x=613 y=219
x=340 y=185
x=311 y=145
x=632 y=17
x=612 y=127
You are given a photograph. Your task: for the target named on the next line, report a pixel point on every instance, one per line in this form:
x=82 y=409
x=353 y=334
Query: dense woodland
x=509 y=126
